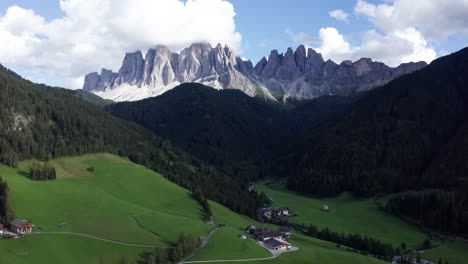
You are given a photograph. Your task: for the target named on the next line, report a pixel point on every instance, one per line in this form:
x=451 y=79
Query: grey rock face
x=132 y=69
x=301 y=76
x=218 y=67
x=298 y=74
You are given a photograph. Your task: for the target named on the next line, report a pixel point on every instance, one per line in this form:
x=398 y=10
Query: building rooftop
x=19 y=222
x=275 y=243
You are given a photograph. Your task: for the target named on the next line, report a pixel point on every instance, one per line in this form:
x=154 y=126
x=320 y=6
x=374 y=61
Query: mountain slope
x=41 y=122
x=229 y=130
x=226 y=128
x=301 y=74
x=407 y=134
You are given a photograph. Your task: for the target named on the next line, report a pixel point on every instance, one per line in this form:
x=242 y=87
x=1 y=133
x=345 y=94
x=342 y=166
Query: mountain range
x=300 y=74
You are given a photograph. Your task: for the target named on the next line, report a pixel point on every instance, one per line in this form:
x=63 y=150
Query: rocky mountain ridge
x=301 y=74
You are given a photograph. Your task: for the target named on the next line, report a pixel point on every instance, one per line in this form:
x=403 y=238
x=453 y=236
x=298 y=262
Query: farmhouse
x=266 y=233
x=277 y=244
x=273 y=214
x=19 y=226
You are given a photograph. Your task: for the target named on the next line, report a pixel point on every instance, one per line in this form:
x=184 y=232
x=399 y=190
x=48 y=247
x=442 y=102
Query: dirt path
x=99 y=238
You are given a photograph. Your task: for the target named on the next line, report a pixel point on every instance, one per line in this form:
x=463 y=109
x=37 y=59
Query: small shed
x=325 y=207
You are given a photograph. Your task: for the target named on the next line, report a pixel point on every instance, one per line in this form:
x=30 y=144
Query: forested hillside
x=225 y=128
x=410 y=134
x=407 y=134
x=42 y=122
x=231 y=131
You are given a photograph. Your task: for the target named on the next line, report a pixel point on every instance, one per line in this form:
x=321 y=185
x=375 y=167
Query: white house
x=277 y=244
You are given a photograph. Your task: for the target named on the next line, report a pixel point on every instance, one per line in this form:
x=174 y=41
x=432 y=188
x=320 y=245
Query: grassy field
x=311 y=250
x=317 y=251
x=346 y=214
x=120 y=201
x=64 y=249
x=226 y=244
x=455 y=252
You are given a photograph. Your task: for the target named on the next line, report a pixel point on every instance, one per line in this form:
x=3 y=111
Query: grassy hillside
x=347 y=214
x=37 y=121
x=455 y=252
x=311 y=250
x=45 y=249
x=226 y=244
x=119 y=201
x=316 y=251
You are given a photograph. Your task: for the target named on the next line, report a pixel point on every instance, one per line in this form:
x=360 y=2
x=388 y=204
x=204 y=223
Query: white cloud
x=95 y=34
x=393 y=49
x=435 y=19
x=339 y=15
x=333 y=45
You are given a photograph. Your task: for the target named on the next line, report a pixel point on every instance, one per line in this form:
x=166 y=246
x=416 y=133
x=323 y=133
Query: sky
x=58 y=42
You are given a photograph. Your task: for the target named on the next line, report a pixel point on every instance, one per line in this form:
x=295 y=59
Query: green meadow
x=311 y=250
x=346 y=214
x=226 y=244
x=455 y=252
x=116 y=200
x=109 y=197
x=314 y=251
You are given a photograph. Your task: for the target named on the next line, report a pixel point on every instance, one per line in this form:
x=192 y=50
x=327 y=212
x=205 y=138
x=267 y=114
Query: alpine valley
x=300 y=74
x=349 y=163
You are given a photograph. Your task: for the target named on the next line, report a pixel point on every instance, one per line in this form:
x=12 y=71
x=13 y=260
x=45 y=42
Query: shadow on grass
x=24 y=173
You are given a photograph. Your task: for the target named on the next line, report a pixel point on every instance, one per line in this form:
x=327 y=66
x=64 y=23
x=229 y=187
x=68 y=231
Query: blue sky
x=84 y=35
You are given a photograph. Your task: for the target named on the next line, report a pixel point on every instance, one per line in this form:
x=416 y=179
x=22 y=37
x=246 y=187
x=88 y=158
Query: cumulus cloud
x=95 y=34
x=339 y=15
x=393 y=48
x=435 y=19
x=402 y=31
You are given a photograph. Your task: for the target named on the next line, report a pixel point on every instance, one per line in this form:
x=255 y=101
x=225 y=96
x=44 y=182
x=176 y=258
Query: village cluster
x=15 y=228
x=273 y=240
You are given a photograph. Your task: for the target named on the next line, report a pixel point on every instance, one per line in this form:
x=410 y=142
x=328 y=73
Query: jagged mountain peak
x=299 y=73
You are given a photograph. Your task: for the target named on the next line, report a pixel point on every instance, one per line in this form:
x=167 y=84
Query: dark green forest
x=41 y=122
x=443 y=211
x=229 y=130
x=408 y=134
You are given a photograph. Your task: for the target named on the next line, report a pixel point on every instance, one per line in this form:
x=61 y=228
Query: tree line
x=362 y=243
x=42 y=171
x=184 y=246
x=442 y=211
x=6 y=210
x=200 y=198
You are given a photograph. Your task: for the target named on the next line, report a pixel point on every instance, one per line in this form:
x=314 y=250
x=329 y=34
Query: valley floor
x=105 y=209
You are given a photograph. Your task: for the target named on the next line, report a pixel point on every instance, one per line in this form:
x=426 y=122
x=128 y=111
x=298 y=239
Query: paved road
x=229 y=260
x=202 y=245
x=99 y=238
